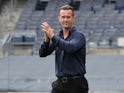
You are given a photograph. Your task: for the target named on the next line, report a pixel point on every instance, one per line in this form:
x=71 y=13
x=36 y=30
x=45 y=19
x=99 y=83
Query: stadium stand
x=100 y=20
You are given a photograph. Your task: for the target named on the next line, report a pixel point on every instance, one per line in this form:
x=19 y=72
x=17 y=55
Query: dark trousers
x=76 y=85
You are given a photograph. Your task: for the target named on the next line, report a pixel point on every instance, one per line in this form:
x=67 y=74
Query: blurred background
x=21 y=68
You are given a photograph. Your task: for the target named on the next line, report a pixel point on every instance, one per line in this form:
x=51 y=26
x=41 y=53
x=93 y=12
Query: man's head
x=66 y=16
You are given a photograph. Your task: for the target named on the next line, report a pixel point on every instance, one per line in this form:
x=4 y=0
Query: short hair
x=67 y=7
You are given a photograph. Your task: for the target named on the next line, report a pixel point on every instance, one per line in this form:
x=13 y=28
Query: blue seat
x=119 y=5
x=17 y=38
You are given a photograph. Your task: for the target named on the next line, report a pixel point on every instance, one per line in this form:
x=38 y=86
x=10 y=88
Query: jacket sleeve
x=72 y=45
x=46 y=49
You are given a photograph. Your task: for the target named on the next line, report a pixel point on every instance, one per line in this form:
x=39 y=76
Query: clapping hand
x=48 y=31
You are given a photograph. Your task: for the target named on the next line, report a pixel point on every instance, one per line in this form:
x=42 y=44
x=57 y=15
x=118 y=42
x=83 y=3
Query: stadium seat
x=119 y=5
x=17 y=38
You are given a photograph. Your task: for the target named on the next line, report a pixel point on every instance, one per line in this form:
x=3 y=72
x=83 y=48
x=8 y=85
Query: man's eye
x=68 y=16
x=63 y=17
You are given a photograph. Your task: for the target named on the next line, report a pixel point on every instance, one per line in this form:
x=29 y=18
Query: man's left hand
x=47 y=29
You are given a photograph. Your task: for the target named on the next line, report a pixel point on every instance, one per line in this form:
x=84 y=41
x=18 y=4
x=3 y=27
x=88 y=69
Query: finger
x=43 y=27
x=43 y=30
x=46 y=24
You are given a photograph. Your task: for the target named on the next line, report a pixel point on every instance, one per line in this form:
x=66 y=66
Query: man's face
x=66 y=19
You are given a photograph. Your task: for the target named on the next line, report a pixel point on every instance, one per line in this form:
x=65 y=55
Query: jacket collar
x=73 y=29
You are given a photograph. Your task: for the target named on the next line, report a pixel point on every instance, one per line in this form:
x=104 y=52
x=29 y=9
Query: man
x=70 y=52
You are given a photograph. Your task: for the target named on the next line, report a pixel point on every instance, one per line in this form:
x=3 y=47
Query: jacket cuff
x=45 y=44
x=55 y=39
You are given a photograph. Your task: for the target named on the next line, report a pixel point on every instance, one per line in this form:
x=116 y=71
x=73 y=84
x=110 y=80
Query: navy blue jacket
x=70 y=53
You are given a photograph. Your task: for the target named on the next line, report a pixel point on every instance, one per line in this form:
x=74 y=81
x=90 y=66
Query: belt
x=65 y=79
